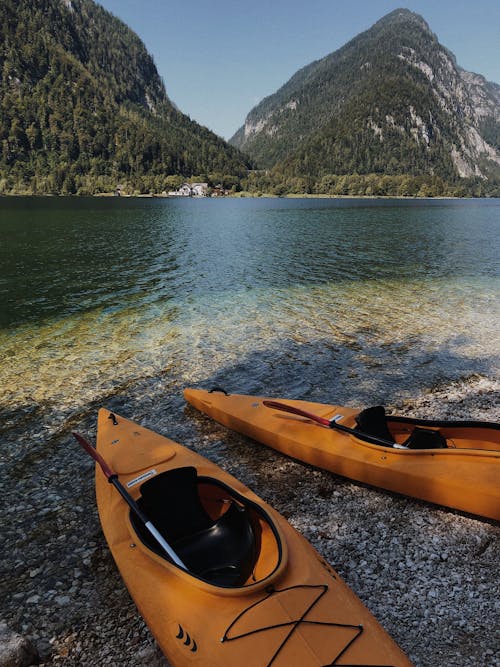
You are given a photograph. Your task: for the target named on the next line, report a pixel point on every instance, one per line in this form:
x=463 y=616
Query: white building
x=191 y=190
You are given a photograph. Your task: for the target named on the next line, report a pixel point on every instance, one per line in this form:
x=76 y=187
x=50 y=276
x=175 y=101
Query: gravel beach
x=428 y=574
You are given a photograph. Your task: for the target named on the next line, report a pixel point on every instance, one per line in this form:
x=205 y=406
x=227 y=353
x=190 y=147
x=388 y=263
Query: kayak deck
x=286 y=608
x=465 y=475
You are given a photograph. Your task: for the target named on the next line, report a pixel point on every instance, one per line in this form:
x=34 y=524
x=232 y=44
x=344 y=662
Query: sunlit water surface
x=349 y=301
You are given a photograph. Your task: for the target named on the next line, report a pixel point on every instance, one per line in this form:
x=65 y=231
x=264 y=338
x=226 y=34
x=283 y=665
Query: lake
x=349 y=301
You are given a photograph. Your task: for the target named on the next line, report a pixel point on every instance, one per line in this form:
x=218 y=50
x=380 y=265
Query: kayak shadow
x=355 y=373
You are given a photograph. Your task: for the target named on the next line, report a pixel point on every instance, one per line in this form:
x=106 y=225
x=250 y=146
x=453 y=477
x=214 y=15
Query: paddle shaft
x=112 y=478
x=331 y=423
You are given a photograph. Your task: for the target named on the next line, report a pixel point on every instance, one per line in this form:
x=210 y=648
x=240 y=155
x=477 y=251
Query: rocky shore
x=428 y=574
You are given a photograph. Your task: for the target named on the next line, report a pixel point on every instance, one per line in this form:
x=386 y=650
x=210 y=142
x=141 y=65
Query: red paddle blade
x=297 y=411
x=94 y=454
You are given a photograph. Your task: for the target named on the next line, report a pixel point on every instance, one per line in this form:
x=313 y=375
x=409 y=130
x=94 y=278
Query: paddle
x=331 y=423
x=112 y=478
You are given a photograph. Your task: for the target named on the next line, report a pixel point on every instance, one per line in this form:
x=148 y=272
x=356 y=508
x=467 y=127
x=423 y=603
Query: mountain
x=82 y=107
x=392 y=101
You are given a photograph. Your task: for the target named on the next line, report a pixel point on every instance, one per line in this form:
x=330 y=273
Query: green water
x=350 y=301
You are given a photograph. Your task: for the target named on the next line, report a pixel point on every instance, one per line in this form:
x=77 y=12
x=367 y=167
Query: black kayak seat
x=221 y=551
x=425 y=438
x=373 y=421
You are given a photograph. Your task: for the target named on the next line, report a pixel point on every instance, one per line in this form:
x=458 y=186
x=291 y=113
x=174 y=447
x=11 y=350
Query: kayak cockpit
x=412 y=433
x=221 y=537
x=373 y=422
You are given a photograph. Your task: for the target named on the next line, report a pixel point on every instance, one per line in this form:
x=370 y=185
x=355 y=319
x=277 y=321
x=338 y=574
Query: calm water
x=354 y=300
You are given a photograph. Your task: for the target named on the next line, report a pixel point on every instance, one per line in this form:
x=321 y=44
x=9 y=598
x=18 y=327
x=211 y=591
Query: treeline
x=255 y=183
x=64 y=182
x=368 y=185
x=351 y=144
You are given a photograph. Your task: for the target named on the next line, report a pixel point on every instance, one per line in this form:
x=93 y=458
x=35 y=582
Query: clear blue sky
x=219 y=58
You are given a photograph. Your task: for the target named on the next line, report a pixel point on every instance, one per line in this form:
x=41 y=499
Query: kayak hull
x=294 y=609
x=465 y=476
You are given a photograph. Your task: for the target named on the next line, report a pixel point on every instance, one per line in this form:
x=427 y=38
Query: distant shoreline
x=240 y=195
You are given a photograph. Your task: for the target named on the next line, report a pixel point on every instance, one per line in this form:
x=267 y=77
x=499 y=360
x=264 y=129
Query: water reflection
x=98 y=294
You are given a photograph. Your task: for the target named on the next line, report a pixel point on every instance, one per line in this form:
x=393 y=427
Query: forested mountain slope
x=82 y=107
x=392 y=101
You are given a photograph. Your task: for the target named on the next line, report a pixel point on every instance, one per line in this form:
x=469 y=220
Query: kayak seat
x=221 y=551
x=373 y=421
x=425 y=438
x=224 y=553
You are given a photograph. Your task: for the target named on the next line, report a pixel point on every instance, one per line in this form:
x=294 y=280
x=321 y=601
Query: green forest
x=83 y=108
x=366 y=185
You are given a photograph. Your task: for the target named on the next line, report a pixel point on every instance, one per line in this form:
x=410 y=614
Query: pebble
x=34 y=599
x=62 y=600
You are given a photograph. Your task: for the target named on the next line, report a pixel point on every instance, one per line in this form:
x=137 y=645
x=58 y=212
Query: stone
x=16 y=651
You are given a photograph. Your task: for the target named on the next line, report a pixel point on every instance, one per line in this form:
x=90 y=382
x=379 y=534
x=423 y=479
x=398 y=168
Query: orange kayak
x=456 y=465
x=252 y=591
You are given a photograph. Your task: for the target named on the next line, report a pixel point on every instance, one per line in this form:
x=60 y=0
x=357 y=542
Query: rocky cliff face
x=468 y=100
x=392 y=100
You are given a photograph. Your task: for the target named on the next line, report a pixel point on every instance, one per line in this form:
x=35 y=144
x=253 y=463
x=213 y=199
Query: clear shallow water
x=355 y=301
